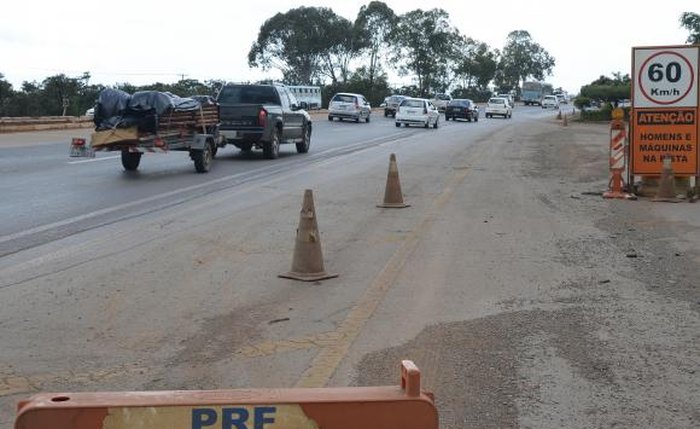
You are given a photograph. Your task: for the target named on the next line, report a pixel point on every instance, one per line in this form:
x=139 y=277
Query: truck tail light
x=77 y=142
x=262 y=117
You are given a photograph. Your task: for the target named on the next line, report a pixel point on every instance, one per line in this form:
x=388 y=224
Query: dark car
x=462 y=108
x=392 y=104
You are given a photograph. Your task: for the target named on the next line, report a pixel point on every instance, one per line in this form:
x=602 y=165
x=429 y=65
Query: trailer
x=146 y=123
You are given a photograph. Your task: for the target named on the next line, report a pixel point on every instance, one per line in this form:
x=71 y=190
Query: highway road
x=506 y=282
x=47 y=195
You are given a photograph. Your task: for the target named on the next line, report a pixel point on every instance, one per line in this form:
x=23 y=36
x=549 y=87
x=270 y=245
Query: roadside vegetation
x=315 y=46
x=598 y=99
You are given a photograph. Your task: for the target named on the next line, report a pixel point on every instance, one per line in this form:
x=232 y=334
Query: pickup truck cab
x=263 y=116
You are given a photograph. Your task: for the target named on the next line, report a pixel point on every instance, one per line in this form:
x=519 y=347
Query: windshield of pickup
x=248 y=94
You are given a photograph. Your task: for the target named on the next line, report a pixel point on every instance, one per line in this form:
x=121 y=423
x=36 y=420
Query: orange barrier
x=618 y=160
x=388 y=407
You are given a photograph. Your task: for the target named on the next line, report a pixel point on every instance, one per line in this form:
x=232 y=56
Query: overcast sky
x=147 y=41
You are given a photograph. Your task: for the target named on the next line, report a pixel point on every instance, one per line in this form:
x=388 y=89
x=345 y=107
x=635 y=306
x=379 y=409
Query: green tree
x=59 y=92
x=375 y=22
x=608 y=89
x=306 y=44
x=425 y=46
x=477 y=64
x=6 y=96
x=27 y=101
x=522 y=58
x=286 y=43
x=691 y=22
x=340 y=43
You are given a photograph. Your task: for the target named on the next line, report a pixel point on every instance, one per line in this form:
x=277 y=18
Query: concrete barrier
x=41 y=123
x=44 y=123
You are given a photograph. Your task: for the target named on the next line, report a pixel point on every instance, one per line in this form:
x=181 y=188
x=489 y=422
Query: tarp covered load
x=150 y=110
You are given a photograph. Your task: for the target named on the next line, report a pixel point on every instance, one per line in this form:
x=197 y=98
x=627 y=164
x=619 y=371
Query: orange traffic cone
x=666 y=192
x=307 y=262
x=393 y=198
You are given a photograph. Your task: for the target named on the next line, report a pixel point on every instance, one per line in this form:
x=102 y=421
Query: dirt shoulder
x=597 y=315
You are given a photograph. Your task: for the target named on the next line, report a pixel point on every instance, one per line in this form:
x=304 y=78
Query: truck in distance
x=534 y=92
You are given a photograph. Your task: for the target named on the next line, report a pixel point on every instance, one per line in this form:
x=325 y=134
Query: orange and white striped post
x=618 y=159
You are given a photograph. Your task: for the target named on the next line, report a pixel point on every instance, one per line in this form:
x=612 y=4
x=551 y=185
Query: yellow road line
x=327 y=360
x=268 y=348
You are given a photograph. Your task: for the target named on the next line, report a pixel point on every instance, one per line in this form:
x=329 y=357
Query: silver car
x=345 y=105
x=417 y=111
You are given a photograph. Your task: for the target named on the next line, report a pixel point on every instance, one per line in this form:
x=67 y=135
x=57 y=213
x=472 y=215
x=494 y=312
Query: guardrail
x=44 y=123
x=41 y=123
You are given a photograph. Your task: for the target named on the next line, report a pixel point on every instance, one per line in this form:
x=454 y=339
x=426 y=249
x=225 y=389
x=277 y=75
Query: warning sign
x=660 y=133
x=664 y=119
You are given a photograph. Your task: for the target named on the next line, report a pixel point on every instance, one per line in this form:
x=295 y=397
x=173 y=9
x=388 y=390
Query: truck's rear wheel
x=271 y=149
x=131 y=160
x=202 y=158
x=303 y=146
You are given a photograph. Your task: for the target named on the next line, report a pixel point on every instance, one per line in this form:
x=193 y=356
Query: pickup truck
x=262 y=116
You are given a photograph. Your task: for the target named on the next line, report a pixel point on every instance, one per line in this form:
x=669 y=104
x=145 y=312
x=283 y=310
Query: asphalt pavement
x=507 y=281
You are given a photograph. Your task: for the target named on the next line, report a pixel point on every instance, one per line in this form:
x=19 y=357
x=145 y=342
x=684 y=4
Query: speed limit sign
x=666 y=77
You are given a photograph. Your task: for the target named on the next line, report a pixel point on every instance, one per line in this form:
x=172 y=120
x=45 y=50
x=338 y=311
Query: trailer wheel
x=271 y=149
x=305 y=143
x=131 y=160
x=202 y=158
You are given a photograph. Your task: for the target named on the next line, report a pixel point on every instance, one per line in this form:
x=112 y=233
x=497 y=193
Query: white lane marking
x=94 y=159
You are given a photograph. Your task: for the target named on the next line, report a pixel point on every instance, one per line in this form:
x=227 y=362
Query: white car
x=90 y=113
x=440 y=101
x=550 y=101
x=508 y=97
x=345 y=105
x=417 y=111
x=498 y=106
